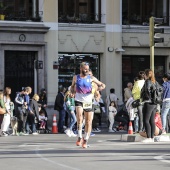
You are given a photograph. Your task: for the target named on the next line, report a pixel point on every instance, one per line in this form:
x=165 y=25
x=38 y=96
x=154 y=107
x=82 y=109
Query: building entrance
x=19 y=70
x=131 y=65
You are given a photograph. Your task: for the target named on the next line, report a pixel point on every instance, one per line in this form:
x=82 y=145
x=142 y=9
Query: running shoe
x=163 y=132
x=72 y=134
x=84 y=144
x=68 y=132
x=4 y=134
x=92 y=134
x=98 y=130
x=79 y=141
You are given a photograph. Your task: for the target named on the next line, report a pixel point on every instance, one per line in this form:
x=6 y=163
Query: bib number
x=87 y=105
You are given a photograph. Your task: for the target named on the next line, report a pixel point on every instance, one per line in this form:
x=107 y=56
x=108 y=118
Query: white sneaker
x=163 y=132
x=72 y=134
x=147 y=140
x=35 y=133
x=98 y=130
x=68 y=132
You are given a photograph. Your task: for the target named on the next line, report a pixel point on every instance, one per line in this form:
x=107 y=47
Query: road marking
x=161 y=158
x=53 y=162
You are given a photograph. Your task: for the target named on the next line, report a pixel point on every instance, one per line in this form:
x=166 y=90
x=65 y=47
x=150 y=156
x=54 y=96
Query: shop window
x=69 y=65
x=139 y=11
x=131 y=66
x=79 y=11
x=19 y=10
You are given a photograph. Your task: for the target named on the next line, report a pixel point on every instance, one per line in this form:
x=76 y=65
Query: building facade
x=42 y=42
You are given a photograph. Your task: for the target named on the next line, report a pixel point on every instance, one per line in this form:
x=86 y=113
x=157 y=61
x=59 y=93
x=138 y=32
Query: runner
x=82 y=87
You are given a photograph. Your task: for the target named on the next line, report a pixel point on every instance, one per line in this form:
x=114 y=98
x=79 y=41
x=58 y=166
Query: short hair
x=36 y=97
x=84 y=64
x=129 y=83
x=112 y=90
x=28 y=89
x=167 y=75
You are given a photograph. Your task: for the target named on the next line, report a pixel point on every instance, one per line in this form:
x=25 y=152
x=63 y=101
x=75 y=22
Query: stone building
x=112 y=35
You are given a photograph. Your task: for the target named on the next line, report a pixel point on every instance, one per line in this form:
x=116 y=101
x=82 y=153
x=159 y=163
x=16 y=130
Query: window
x=79 y=11
x=19 y=10
x=139 y=11
x=69 y=65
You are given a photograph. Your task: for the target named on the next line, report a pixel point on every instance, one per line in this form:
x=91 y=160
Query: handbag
x=136 y=103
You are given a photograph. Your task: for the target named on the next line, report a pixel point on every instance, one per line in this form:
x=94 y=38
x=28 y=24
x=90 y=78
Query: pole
x=152 y=58
x=151 y=38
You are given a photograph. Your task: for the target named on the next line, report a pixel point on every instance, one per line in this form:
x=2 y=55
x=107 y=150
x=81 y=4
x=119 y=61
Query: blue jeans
x=164 y=113
x=73 y=119
x=62 y=115
x=30 y=121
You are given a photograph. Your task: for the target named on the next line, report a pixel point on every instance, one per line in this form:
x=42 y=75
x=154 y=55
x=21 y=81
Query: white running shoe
x=68 y=132
x=148 y=140
x=72 y=134
x=98 y=130
x=35 y=133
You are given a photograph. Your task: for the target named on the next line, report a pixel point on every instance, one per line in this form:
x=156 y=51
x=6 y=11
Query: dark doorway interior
x=19 y=70
x=133 y=64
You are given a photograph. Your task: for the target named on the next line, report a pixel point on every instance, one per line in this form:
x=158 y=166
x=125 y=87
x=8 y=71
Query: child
x=112 y=114
x=70 y=107
x=42 y=119
x=2 y=105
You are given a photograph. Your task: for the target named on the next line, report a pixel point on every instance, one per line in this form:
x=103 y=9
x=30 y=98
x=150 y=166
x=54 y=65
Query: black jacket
x=59 y=102
x=147 y=91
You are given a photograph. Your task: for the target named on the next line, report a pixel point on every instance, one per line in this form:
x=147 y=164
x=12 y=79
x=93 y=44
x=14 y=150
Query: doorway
x=19 y=70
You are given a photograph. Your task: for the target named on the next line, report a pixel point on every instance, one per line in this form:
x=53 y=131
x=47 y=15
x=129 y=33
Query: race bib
x=87 y=105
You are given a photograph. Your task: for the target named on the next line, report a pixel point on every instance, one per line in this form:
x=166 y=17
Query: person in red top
x=158 y=124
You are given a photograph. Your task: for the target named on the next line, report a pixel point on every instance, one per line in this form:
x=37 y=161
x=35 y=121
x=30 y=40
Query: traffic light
x=154 y=30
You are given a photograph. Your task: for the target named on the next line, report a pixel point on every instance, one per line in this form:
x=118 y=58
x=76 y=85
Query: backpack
x=157 y=93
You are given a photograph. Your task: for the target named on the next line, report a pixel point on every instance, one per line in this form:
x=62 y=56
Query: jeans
x=30 y=121
x=140 y=116
x=62 y=114
x=73 y=119
x=164 y=113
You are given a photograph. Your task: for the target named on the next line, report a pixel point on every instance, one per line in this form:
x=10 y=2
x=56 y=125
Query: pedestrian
x=112 y=114
x=82 y=83
x=3 y=113
x=6 y=119
x=111 y=97
x=20 y=111
x=149 y=108
x=70 y=108
x=60 y=106
x=136 y=91
x=128 y=91
x=33 y=115
x=166 y=100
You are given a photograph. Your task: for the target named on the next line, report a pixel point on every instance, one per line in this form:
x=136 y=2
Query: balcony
x=81 y=18
x=20 y=16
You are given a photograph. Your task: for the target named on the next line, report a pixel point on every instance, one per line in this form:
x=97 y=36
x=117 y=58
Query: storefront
x=131 y=65
x=69 y=65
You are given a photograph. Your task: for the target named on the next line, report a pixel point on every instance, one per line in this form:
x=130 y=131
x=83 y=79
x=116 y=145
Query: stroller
x=42 y=126
x=121 y=119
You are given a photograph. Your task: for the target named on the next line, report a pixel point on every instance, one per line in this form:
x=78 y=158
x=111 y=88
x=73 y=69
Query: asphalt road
x=59 y=152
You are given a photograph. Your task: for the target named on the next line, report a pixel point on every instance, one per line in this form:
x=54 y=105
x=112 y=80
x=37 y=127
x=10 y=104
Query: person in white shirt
x=112 y=114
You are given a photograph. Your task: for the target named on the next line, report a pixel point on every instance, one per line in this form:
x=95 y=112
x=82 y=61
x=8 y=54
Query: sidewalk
x=138 y=138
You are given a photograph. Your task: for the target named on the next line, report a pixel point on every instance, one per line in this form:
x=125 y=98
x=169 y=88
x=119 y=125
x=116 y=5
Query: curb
x=138 y=138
